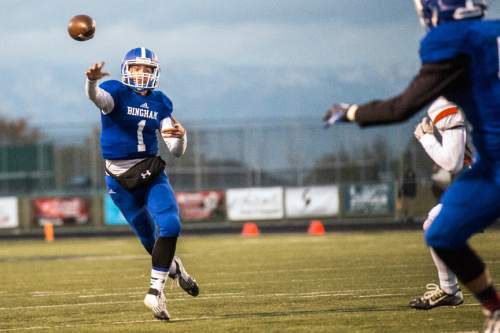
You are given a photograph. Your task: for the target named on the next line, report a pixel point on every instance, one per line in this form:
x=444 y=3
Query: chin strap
x=141 y=90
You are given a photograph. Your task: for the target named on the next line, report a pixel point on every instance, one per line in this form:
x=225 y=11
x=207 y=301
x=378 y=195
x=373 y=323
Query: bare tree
x=18 y=132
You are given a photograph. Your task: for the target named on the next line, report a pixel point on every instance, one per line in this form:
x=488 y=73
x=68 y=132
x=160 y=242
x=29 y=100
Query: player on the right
x=458 y=36
x=460 y=61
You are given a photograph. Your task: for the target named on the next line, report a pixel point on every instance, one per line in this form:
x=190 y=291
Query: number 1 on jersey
x=140 y=139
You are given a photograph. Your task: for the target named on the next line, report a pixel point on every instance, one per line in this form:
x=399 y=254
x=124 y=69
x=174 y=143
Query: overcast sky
x=221 y=59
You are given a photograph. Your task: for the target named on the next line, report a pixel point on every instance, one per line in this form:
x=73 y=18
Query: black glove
x=337 y=113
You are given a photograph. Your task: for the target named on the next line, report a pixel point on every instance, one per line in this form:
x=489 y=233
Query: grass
x=345 y=282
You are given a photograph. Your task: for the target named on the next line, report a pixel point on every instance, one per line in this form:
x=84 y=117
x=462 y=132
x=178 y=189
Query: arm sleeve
x=432 y=81
x=449 y=154
x=101 y=98
x=175 y=145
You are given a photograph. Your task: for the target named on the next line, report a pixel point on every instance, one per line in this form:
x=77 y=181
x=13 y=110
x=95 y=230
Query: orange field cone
x=316 y=228
x=250 y=229
x=48 y=231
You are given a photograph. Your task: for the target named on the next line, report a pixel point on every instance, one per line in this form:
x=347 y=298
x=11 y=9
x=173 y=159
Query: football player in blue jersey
x=132 y=112
x=460 y=61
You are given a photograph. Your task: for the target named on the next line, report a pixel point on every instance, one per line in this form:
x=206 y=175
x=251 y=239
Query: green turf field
x=345 y=282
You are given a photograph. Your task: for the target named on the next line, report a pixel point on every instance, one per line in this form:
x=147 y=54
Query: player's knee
x=148 y=244
x=441 y=238
x=170 y=226
x=172 y=230
x=146 y=236
x=144 y=229
x=433 y=213
x=427 y=224
x=435 y=238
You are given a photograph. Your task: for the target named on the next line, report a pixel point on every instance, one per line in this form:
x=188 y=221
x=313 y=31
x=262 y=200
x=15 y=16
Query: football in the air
x=81 y=27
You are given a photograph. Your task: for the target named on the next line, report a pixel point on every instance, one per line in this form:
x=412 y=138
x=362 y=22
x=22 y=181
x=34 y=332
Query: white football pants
x=447 y=279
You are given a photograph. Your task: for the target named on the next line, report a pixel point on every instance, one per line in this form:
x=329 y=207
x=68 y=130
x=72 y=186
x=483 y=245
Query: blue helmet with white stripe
x=434 y=12
x=140 y=81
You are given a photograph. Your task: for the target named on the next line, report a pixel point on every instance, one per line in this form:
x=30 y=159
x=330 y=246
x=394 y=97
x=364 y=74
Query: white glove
x=424 y=127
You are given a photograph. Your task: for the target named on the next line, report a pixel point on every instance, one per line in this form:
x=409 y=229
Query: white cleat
x=434 y=297
x=187 y=283
x=157 y=302
x=492 y=323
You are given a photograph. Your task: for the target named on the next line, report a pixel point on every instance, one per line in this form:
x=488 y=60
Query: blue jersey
x=129 y=130
x=479 y=97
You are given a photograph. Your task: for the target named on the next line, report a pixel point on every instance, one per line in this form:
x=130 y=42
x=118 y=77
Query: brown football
x=81 y=27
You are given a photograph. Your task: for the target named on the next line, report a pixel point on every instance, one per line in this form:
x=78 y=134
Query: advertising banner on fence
x=112 y=214
x=369 y=199
x=314 y=201
x=201 y=206
x=8 y=212
x=61 y=210
x=258 y=203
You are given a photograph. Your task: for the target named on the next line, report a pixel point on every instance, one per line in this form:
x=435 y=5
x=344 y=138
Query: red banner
x=201 y=206
x=61 y=211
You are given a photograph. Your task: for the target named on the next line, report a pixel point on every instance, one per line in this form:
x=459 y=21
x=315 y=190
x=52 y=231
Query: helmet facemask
x=473 y=8
x=138 y=80
x=434 y=12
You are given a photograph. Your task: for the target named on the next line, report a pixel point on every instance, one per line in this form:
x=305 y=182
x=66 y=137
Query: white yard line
x=97 y=292
x=380 y=295
x=129 y=322
x=322 y=295
x=78 y=325
x=62 y=305
x=217 y=296
x=207 y=297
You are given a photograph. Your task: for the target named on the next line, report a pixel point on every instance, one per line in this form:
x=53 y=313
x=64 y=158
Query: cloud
x=159 y=14
x=314 y=45
x=283 y=55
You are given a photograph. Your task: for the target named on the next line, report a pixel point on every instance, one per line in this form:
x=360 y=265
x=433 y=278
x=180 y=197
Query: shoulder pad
x=445 y=114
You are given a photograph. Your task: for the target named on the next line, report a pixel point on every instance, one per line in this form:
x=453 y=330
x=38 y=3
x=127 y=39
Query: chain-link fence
x=238 y=154
x=219 y=156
